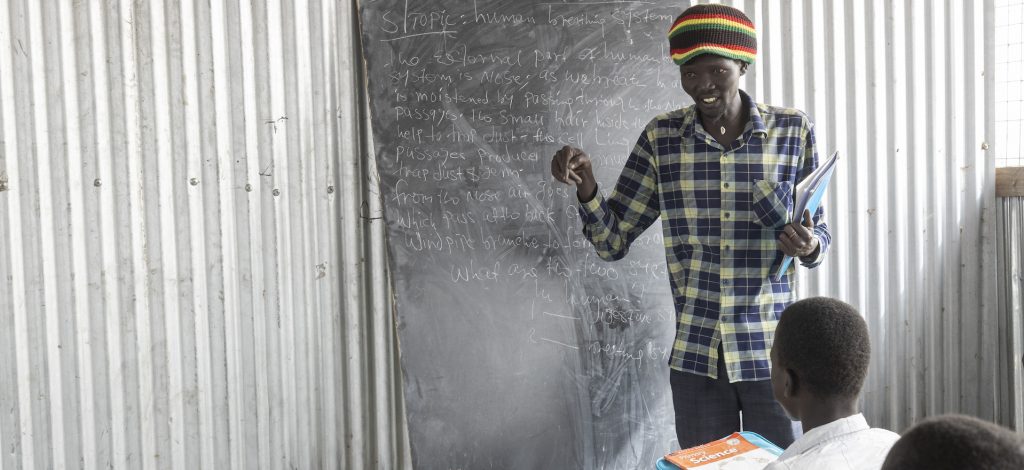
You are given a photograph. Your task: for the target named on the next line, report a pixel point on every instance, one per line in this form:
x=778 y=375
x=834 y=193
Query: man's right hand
x=571 y=165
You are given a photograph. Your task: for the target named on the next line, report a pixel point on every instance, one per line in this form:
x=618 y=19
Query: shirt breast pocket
x=772 y=203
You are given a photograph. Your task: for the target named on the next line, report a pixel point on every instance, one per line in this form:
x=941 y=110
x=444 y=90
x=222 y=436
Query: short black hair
x=825 y=341
x=956 y=441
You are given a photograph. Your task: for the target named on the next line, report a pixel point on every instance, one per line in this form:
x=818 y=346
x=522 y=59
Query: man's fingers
x=565 y=163
x=556 y=171
x=793 y=244
x=784 y=240
x=573 y=165
x=798 y=232
x=791 y=231
x=808 y=221
x=576 y=153
x=570 y=153
x=805 y=235
x=785 y=247
x=560 y=164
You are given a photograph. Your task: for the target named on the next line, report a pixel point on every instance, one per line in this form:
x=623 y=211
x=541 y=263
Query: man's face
x=779 y=379
x=713 y=83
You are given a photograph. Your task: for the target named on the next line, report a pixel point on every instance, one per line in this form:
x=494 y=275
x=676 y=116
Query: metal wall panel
x=189 y=273
x=901 y=89
x=904 y=89
x=1010 y=260
x=192 y=277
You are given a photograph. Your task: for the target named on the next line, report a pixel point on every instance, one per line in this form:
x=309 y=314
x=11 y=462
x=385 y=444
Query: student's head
x=820 y=354
x=712 y=45
x=955 y=442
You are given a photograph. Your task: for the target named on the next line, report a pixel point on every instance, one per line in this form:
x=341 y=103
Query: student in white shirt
x=956 y=442
x=819 y=360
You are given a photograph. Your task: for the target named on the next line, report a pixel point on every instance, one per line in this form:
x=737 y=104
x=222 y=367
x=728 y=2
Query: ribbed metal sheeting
x=1010 y=260
x=900 y=88
x=183 y=281
x=159 y=324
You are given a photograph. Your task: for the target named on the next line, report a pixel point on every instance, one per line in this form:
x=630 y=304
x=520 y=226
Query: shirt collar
x=756 y=121
x=825 y=433
x=692 y=126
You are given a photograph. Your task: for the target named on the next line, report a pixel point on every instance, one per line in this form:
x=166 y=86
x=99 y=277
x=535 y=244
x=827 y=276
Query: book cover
x=738 y=451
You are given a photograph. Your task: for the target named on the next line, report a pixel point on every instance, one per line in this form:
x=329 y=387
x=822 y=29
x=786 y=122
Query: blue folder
x=815 y=193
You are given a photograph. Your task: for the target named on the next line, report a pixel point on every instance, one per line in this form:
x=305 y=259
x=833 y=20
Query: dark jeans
x=708 y=409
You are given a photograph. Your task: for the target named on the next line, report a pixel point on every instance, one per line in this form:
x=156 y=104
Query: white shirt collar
x=825 y=433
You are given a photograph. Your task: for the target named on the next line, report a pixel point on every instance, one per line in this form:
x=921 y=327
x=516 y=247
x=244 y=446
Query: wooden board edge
x=1010 y=181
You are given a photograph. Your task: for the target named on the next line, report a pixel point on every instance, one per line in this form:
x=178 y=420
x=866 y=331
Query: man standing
x=721 y=175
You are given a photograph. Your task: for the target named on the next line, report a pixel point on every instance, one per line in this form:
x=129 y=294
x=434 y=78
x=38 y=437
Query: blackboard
x=519 y=347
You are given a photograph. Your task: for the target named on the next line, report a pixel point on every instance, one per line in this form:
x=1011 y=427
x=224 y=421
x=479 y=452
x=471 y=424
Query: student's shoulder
x=883 y=436
x=860 y=450
x=779 y=116
x=869 y=440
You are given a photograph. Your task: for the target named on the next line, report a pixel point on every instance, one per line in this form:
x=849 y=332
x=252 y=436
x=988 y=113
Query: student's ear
x=743 y=67
x=791 y=385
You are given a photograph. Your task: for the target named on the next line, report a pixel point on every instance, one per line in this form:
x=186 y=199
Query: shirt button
x=725 y=282
x=726 y=215
x=725 y=184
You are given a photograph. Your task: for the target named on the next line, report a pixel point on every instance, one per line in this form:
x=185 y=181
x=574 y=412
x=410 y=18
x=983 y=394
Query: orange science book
x=739 y=451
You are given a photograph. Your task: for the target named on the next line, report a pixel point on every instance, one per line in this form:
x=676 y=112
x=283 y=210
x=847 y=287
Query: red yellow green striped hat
x=712 y=29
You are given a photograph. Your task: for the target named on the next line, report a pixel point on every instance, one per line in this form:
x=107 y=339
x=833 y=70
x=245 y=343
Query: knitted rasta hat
x=712 y=29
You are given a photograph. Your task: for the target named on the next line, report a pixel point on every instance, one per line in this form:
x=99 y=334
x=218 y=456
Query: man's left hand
x=798 y=240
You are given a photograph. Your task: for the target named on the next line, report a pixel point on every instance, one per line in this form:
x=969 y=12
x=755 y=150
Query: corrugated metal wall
x=184 y=278
x=1010 y=259
x=192 y=277
x=901 y=89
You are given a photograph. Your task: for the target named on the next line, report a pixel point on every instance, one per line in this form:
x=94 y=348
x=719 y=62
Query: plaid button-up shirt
x=722 y=210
